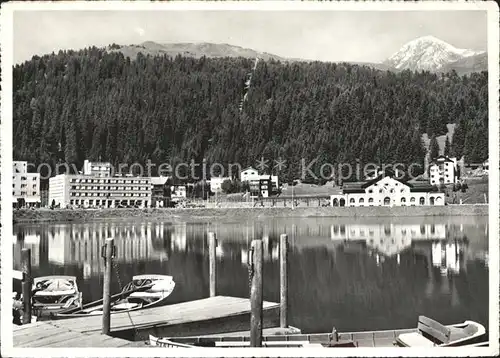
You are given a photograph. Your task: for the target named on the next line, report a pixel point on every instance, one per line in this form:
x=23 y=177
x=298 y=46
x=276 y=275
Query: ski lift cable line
x=248 y=84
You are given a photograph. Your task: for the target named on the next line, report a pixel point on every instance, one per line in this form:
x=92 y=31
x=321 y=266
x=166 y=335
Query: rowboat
x=143 y=291
x=468 y=333
x=55 y=293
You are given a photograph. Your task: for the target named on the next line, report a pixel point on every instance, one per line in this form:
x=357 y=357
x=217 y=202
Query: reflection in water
x=349 y=273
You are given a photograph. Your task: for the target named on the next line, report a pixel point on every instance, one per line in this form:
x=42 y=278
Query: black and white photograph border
x=9 y=39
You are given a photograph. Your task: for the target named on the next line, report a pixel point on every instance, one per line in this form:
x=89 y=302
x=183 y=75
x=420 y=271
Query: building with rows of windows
x=443 y=170
x=99 y=190
x=387 y=190
x=25 y=186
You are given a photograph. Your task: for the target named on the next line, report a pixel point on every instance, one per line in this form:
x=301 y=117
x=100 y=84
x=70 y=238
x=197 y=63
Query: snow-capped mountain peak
x=428 y=53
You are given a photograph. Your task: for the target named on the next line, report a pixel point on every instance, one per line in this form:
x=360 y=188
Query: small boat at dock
x=52 y=294
x=143 y=291
x=428 y=333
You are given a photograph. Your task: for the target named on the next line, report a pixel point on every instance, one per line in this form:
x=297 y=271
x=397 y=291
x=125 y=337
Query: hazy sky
x=327 y=35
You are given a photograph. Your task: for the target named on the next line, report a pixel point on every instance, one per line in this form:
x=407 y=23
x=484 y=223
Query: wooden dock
x=48 y=334
x=219 y=314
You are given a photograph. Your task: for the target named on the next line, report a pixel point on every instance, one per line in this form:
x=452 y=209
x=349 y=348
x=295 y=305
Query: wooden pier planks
x=212 y=315
x=46 y=334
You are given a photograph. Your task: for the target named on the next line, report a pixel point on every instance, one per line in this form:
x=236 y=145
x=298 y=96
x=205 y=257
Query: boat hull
x=385 y=338
x=157 y=290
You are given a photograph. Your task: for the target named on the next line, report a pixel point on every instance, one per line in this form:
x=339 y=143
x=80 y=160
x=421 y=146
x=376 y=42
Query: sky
x=354 y=36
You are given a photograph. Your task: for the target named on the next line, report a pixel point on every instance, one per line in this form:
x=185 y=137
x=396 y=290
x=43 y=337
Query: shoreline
x=194 y=214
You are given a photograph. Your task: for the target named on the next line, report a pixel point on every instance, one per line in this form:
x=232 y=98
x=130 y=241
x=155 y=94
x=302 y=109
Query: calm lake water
x=354 y=274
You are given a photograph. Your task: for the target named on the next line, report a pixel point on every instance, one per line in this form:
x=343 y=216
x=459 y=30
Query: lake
x=354 y=274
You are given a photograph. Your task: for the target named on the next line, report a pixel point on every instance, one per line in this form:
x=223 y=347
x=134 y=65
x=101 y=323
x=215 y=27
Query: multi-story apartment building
x=25 y=186
x=98 y=191
x=160 y=192
x=178 y=192
x=443 y=170
x=216 y=183
x=99 y=169
x=260 y=185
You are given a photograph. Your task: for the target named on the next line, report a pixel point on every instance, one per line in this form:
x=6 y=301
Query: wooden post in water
x=26 y=284
x=284 y=281
x=256 y=295
x=106 y=290
x=212 y=245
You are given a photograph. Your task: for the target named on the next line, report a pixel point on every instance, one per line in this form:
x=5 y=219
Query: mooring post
x=106 y=291
x=256 y=295
x=284 y=281
x=26 y=284
x=212 y=245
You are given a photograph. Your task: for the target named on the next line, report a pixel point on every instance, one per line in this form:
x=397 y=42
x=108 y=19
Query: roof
x=359 y=187
x=354 y=187
x=248 y=168
x=419 y=186
x=159 y=180
x=442 y=158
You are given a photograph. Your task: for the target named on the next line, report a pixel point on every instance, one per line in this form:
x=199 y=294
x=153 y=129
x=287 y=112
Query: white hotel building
x=443 y=170
x=386 y=190
x=99 y=189
x=25 y=186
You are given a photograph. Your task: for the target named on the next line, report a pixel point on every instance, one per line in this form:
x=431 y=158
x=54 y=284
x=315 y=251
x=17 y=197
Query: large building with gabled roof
x=387 y=190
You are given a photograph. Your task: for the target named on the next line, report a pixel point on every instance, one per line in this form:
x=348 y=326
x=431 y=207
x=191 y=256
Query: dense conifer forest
x=96 y=104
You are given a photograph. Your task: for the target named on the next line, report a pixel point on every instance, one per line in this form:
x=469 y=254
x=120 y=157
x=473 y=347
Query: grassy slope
x=440 y=139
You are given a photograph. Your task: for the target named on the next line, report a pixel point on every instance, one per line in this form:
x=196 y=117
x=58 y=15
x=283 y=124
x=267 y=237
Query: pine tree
x=447 y=147
x=433 y=148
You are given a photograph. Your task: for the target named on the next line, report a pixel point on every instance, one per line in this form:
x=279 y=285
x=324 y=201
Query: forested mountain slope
x=94 y=104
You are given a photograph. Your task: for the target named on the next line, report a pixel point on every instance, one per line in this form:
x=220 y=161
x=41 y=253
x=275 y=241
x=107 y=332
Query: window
x=403 y=200
x=370 y=200
x=370 y=191
x=361 y=200
x=352 y=200
x=422 y=201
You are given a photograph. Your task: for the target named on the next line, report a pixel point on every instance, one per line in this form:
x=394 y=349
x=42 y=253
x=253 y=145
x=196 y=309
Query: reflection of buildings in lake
x=270 y=250
x=398 y=231
x=30 y=241
x=448 y=256
x=382 y=241
x=82 y=244
x=387 y=240
x=179 y=237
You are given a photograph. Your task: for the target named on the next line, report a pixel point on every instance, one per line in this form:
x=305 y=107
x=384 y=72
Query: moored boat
x=142 y=292
x=52 y=294
x=468 y=333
